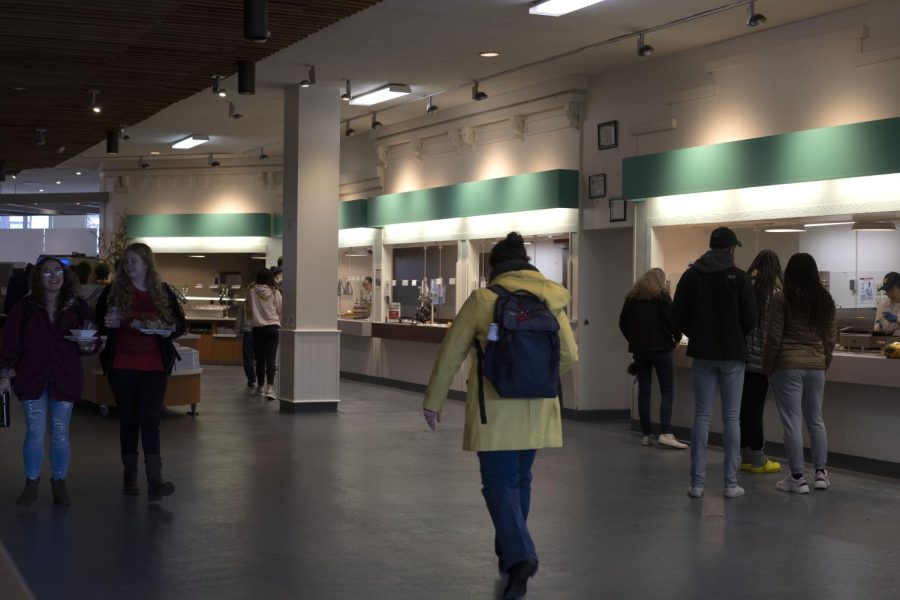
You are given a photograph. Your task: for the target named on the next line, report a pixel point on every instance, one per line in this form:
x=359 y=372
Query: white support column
x=310 y=341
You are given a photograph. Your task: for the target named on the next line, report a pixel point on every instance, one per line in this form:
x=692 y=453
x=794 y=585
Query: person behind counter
x=889 y=309
x=799 y=345
x=141 y=316
x=515 y=428
x=47 y=370
x=646 y=322
x=264 y=302
x=368 y=292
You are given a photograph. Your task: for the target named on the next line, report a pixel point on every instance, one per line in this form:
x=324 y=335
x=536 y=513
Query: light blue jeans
x=728 y=375
x=36 y=412
x=800 y=391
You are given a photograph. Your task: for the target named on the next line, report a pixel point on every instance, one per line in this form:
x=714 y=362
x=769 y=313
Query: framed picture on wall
x=597 y=186
x=617 y=210
x=607 y=135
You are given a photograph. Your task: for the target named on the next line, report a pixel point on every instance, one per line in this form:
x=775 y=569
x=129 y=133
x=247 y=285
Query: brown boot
x=156 y=487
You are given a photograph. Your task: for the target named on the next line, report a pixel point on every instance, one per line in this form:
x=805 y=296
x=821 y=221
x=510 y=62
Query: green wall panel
x=856 y=150
x=531 y=191
x=353 y=214
x=200 y=225
x=277 y=225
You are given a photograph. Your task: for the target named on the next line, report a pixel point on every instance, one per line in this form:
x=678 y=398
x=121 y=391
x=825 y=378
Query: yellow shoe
x=746 y=466
x=770 y=467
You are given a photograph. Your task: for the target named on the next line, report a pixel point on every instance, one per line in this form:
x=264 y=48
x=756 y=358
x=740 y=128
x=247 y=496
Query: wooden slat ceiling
x=142 y=56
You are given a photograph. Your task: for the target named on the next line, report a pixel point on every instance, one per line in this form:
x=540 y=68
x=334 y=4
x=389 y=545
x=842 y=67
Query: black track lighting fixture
x=310 y=77
x=232 y=111
x=217 y=88
x=96 y=108
x=256 y=17
x=754 y=18
x=262 y=154
x=376 y=124
x=349 y=131
x=477 y=95
x=346 y=95
x=212 y=162
x=142 y=164
x=41 y=136
x=123 y=134
x=644 y=49
x=246 y=77
x=112 y=142
x=432 y=107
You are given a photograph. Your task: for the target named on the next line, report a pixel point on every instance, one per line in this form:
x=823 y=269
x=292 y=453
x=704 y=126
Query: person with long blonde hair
x=141 y=316
x=646 y=322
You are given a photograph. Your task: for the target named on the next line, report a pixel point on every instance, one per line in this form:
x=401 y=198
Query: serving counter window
x=549 y=253
x=356 y=284
x=424 y=282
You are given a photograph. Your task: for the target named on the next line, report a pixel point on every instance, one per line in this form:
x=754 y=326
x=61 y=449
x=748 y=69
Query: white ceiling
x=431 y=45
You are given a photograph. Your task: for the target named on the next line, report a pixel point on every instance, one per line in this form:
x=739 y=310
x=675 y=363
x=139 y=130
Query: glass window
x=17 y=222
x=39 y=222
x=93 y=221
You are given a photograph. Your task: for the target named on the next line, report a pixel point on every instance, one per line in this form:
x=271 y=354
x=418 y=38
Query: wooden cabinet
x=205 y=347
x=226 y=350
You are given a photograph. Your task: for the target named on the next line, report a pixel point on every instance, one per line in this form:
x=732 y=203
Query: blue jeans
x=506 y=487
x=36 y=412
x=799 y=392
x=729 y=376
x=645 y=362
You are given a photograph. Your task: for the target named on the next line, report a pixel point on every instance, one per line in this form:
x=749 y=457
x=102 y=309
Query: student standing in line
x=765 y=273
x=264 y=301
x=646 y=322
x=138 y=363
x=244 y=331
x=511 y=430
x=715 y=308
x=44 y=368
x=799 y=346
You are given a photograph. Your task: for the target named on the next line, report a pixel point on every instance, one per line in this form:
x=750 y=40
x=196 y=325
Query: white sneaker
x=269 y=393
x=646 y=441
x=695 y=491
x=789 y=484
x=822 y=481
x=260 y=391
x=734 y=491
x=668 y=440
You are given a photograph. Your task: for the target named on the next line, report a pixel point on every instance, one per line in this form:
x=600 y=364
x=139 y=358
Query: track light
x=346 y=95
x=349 y=131
x=310 y=77
x=754 y=18
x=112 y=142
x=262 y=154
x=94 y=106
x=41 y=140
x=60 y=149
x=477 y=95
x=212 y=163
x=376 y=124
x=246 y=77
x=432 y=107
x=256 y=17
x=142 y=164
x=232 y=111
x=217 y=88
x=644 y=49
x=122 y=133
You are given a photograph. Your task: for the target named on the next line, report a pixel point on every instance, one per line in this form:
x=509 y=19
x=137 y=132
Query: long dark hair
x=805 y=296
x=66 y=292
x=765 y=271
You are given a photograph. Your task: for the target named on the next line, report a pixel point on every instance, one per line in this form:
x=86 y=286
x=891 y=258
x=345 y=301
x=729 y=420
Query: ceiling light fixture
x=874 y=226
x=489 y=54
x=60 y=149
x=644 y=49
x=40 y=190
x=142 y=164
x=310 y=77
x=246 y=77
x=349 y=131
x=786 y=229
x=233 y=113
x=190 y=142
x=376 y=124
x=196 y=256
x=112 y=142
x=346 y=95
x=256 y=17
x=212 y=163
x=154 y=152
x=556 y=8
x=78 y=173
x=217 y=88
x=477 y=95
x=382 y=94
x=262 y=154
x=94 y=106
x=59 y=183
x=432 y=107
x=754 y=18
x=41 y=139
x=829 y=224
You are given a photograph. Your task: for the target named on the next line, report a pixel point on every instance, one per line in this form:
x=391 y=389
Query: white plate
x=155 y=331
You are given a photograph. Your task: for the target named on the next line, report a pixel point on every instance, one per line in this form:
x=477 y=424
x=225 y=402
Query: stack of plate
x=190 y=359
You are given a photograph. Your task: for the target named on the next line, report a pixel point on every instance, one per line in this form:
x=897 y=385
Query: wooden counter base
x=181 y=390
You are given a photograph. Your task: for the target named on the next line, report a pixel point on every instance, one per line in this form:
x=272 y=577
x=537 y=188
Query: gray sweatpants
x=799 y=392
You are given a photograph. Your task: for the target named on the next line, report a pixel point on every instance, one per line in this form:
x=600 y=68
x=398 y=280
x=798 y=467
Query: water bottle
x=4 y=409
x=493 y=332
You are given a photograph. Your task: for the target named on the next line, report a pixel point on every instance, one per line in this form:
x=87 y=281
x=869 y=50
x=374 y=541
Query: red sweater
x=135 y=350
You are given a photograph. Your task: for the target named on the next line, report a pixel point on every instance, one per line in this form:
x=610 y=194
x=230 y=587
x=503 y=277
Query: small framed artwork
x=607 y=135
x=597 y=186
x=617 y=210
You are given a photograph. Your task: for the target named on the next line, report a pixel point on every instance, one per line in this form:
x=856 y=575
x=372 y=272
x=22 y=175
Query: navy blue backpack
x=523 y=362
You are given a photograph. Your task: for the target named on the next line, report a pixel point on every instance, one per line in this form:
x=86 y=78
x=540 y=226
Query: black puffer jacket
x=647 y=324
x=714 y=306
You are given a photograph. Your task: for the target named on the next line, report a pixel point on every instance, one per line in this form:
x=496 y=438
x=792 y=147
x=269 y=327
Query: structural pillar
x=309 y=367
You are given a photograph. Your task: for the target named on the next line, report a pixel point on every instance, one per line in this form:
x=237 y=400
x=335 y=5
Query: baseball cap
x=723 y=238
x=891 y=280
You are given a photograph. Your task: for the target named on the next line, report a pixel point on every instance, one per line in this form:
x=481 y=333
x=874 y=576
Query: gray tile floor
x=367 y=503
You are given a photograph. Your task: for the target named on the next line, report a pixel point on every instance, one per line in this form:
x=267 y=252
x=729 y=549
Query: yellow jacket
x=512 y=423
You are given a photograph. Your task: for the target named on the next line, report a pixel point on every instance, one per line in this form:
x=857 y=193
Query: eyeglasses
x=53 y=273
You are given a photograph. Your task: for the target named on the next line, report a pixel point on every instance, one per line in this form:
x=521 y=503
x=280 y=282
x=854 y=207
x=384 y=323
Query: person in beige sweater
x=799 y=343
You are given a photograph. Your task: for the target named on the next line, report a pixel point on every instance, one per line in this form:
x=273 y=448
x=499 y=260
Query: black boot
x=130 y=475
x=517 y=584
x=60 y=492
x=29 y=494
x=156 y=487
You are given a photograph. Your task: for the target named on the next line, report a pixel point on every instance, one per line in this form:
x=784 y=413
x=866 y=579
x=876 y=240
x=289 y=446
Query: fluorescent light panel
x=829 y=224
x=382 y=94
x=786 y=229
x=190 y=141
x=556 y=8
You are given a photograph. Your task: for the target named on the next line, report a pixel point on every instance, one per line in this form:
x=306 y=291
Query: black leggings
x=265 y=346
x=139 y=396
x=753 y=401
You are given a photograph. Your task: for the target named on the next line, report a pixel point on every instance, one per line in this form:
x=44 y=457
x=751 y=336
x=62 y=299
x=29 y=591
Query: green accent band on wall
x=352 y=214
x=856 y=150
x=277 y=225
x=200 y=225
x=531 y=191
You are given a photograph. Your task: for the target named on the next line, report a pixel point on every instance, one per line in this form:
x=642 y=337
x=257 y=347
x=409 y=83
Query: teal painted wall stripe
x=277 y=225
x=531 y=191
x=200 y=225
x=353 y=214
x=856 y=150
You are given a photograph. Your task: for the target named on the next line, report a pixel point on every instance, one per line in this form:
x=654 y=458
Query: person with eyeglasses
x=41 y=362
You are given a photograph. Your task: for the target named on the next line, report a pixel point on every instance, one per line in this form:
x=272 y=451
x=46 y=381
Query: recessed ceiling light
x=154 y=152
x=78 y=172
x=556 y=8
x=258 y=257
x=196 y=256
x=489 y=54
x=40 y=190
x=382 y=94
x=190 y=141
x=58 y=182
x=829 y=224
x=786 y=229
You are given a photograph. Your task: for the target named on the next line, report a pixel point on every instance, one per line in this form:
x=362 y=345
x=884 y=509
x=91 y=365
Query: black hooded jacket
x=715 y=308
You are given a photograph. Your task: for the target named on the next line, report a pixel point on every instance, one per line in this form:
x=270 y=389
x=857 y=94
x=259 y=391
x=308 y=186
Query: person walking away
x=765 y=273
x=888 y=310
x=715 y=308
x=506 y=432
x=41 y=362
x=265 y=319
x=141 y=317
x=646 y=322
x=245 y=332
x=799 y=346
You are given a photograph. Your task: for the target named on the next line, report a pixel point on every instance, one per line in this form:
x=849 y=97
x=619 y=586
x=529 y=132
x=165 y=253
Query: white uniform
x=882 y=324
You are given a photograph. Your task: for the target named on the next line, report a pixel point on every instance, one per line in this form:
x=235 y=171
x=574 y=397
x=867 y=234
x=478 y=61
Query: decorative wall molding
x=574 y=114
x=653 y=126
x=876 y=56
x=697 y=93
